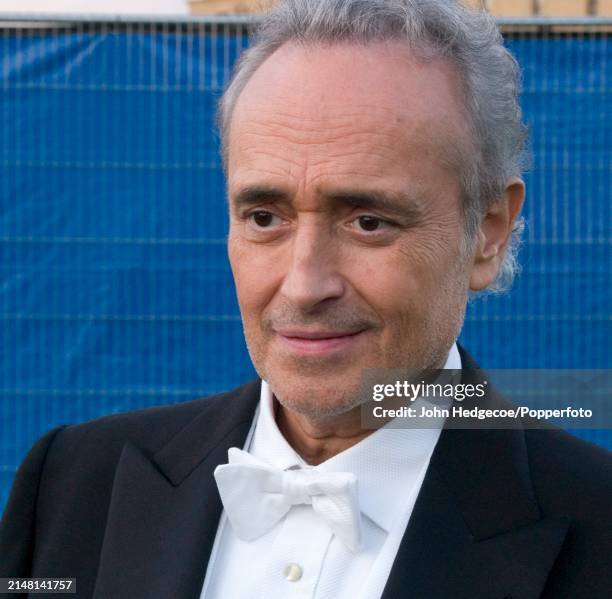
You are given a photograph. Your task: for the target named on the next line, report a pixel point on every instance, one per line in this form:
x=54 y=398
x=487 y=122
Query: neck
x=318 y=439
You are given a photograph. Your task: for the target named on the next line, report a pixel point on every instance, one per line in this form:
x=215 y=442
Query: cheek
x=253 y=278
x=398 y=276
x=406 y=285
x=432 y=258
x=389 y=284
x=242 y=272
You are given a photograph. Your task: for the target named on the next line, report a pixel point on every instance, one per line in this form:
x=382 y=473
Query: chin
x=317 y=398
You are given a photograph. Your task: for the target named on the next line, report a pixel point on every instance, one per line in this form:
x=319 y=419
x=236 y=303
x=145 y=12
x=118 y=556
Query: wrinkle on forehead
x=315 y=98
x=343 y=150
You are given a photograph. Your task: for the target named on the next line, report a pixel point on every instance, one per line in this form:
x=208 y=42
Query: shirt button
x=292 y=572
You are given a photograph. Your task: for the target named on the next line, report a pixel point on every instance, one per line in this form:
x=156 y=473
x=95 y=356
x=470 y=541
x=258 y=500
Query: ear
x=494 y=234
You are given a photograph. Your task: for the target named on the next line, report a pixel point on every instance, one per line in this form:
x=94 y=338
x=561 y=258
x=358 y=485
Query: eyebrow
x=258 y=194
x=397 y=203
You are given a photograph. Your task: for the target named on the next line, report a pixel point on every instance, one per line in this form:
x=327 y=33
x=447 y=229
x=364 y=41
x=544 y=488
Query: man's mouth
x=317 y=342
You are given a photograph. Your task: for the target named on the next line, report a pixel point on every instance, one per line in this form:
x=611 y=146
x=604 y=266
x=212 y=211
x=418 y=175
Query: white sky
x=142 y=7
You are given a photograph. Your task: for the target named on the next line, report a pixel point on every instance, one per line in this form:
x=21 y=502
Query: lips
x=317 y=342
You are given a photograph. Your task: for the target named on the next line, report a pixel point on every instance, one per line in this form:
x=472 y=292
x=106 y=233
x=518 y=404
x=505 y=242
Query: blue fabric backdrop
x=115 y=291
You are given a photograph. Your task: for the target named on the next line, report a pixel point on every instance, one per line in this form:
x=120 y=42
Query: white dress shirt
x=300 y=558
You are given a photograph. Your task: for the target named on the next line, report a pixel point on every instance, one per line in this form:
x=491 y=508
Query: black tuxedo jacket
x=128 y=505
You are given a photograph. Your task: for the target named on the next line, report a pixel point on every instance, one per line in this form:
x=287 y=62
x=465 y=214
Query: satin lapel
x=452 y=549
x=476 y=529
x=165 y=508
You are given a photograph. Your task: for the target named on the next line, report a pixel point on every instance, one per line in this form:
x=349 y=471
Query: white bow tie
x=256 y=496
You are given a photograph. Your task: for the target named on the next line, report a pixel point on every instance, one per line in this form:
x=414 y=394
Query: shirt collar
x=387 y=463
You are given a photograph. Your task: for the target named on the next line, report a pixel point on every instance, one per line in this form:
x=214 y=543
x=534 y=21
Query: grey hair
x=433 y=29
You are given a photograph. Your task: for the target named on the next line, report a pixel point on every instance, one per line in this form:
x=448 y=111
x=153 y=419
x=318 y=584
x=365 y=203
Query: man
x=373 y=157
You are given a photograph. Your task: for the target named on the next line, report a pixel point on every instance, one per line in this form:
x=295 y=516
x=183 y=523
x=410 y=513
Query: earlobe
x=494 y=234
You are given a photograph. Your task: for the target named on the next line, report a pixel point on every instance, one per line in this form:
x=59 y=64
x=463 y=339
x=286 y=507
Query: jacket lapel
x=165 y=509
x=477 y=537
x=476 y=529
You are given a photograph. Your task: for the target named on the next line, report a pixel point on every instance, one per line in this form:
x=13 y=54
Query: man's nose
x=313 y=274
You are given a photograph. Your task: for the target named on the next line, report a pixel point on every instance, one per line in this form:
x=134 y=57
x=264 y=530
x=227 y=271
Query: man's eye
x=264 y=219
x=371 y=223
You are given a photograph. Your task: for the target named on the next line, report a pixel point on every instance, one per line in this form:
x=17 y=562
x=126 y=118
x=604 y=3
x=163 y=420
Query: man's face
x=346 y=227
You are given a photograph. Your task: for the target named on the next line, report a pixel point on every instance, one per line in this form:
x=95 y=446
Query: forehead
x=322 y=107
